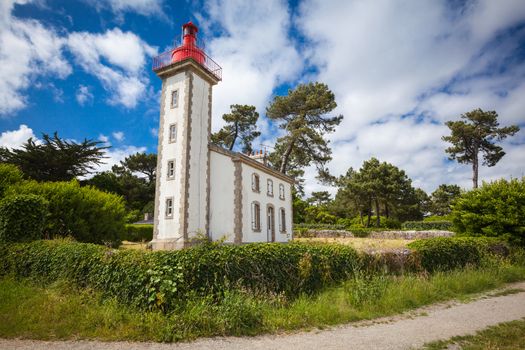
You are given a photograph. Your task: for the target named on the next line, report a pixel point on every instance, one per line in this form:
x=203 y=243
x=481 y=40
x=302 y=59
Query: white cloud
x=118 y=135
x=154 y=132
x=253 y=49
x=28 y=50
x=124 y=77
x=143 y=7
x=400 y=70
x=15 y=138
x=83 y=95
x=115 y=155
x=103 y=138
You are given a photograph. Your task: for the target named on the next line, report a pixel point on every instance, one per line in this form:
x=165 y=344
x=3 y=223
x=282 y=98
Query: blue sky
x=399 y=69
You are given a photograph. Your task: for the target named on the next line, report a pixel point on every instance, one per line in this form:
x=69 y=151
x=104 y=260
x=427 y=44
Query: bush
x=137 y=233
x=165 y=279
x=9 y=175
x=85 y=213
x=22 y=218
x=496 y=209
x=445 y=253
x=427 y=225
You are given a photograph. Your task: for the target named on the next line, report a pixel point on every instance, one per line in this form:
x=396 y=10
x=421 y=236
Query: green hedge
x=137 y=233
x=85 y=213
x=22 y=218
x=165 y=279
x=427 y=225
x=496 y=209
x=446 y=253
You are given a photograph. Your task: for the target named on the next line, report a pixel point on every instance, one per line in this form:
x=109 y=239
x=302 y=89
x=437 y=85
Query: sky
x=398 y=69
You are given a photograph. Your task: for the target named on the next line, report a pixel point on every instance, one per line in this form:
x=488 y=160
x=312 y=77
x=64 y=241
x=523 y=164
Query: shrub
x=22 y=218
x=85 y=213
x=165 y=279
x=446 y=253
x=496 y=209
x=427 y=225
x=137 y=233
x=9 y=175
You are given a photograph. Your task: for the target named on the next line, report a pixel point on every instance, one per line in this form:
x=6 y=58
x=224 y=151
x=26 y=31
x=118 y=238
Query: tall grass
x=61 y=311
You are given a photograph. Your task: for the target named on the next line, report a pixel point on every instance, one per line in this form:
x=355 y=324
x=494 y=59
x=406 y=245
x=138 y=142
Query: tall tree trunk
x=378 y=217
x=475 y=165
x=387 y=212
x=234 y=136
x=369 y=213
x=286 y=156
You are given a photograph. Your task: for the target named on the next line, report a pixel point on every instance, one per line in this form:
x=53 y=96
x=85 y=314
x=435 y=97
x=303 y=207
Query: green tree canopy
x=442 y=199
x=303 y=116
x=241 y=124
x=319 y=198
x=383 y=187
x=142 y=163
x=55 y=159
x=477 y=132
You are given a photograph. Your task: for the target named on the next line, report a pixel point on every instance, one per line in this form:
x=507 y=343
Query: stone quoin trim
x=208 y=165
x=186 y=148
x=237 y=200
x=156 y=209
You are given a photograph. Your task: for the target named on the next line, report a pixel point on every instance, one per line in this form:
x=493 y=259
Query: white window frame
x=281 y=191
x=256 y=216
x=172 y=133
x=256 y=183
x=282 y=220
x=269 y=187
x=174 y=102
x=170 y=175
x=168 y=211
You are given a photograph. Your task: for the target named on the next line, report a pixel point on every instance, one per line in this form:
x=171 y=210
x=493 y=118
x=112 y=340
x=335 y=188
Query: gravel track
x=412 y=330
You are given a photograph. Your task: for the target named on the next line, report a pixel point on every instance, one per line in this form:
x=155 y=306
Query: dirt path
x=427 y=324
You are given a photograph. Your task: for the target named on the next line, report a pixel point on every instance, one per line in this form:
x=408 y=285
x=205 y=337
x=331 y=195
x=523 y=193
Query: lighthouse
x=183 y=157
x=203 y=189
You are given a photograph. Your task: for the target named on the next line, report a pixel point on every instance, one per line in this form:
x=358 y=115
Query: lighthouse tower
x=183 y=160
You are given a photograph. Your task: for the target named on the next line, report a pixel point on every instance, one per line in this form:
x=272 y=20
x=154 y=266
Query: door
x=270 y=227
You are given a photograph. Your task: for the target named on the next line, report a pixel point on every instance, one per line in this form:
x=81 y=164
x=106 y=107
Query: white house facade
x=201 y=188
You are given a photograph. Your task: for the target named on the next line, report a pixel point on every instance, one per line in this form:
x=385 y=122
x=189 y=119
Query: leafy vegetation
x=138 y=233
x=302 y=115
x=55 y=159
x=241 y=124
x=427 y=225
x=22 y=218
x=442 y=199
x=476 y=133
x=9 y=175
x=442 y=253
x=497 y=209
x=164 y=280
x=85 y=213
x=62 y=311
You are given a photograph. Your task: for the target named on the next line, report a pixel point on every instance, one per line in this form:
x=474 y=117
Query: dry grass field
x=363 y=244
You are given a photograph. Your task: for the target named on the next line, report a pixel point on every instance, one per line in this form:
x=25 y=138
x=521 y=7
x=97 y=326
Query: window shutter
x=253 y=216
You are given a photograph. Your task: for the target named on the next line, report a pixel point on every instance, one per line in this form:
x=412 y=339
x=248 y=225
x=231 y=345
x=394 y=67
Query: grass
x=62 y=312
x=362 y=244
x=508 y=335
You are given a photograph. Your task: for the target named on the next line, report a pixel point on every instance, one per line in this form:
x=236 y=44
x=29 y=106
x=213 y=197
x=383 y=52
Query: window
x=282 y=220
x=169 y=208
x=255 y=183
x=269 y=185
x=281 y=191
x=256 y=216
x=171 y=169
x=173 y=133
x=174 y=98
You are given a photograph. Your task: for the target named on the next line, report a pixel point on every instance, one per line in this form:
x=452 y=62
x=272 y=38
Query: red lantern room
x=188 y=50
